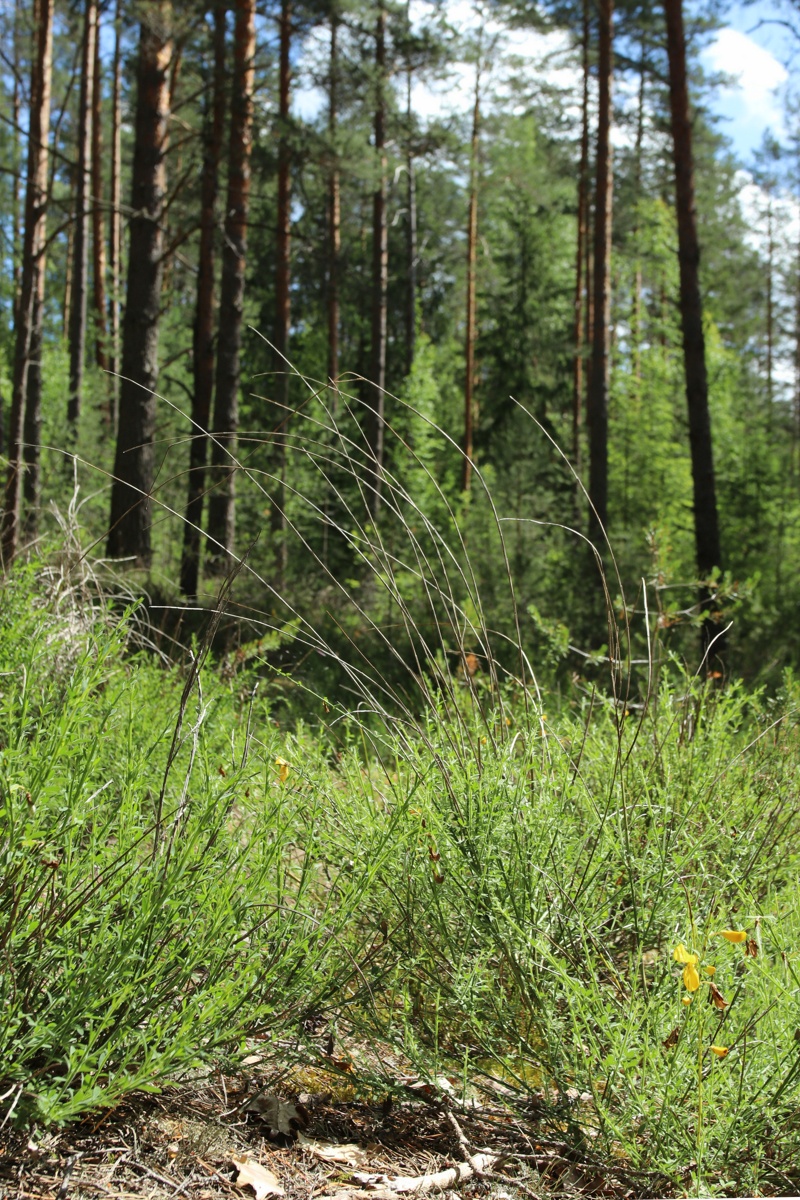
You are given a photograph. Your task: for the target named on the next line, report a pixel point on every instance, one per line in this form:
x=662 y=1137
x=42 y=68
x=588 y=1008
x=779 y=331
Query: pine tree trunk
x=28 y=333
x=597 y=401
x=380 y=278
x=204 y=316
x=472 y=262
x=98 y=230
x=770 y=311
x=282 y=293
x=334 y=211
x=583 y=205
x=411 y=228
x=129 y=532
x=77 y=329
x=221 y=506
x=636 y=321
x=706 y=522
x=16 y=197
x=66 y=308
x=115 y=225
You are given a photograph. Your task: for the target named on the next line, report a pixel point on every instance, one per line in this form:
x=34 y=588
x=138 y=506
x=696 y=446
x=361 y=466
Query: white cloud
x=750 y=104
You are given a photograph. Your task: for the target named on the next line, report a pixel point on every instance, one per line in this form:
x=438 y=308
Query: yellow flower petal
x=686 y=1000
x=283 y=769
x=691 y=980
x=733 y=935
x=682 y=955
x=711 y=971
x=720 y=1051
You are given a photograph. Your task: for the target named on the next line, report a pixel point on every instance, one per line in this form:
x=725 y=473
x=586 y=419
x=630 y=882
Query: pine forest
x=399 y=576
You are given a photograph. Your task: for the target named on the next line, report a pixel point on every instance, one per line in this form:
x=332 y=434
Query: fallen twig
x=437 y=1181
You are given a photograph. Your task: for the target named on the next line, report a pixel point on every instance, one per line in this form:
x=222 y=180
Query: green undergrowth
x=494 y=891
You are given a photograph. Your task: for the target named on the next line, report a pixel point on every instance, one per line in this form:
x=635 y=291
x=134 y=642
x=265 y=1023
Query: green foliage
x=162 y=889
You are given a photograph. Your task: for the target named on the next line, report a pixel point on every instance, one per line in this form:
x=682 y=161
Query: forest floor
x=202 y=1141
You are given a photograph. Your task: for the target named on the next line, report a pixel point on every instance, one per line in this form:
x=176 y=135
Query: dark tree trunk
x=706 y=522
x=204 y=316
x=115 y=225
x=129 y=532
x=282 y=293
x=66 y=309
x=583 y=228
x=28 y=333
x=16 y=197
x=77 y=328
x=380 y=277
x=334 y=211
x=98 y=230
x=411 y=231
x=32 y=426
x=597 y=404
x=221 y=506
x=472 y=262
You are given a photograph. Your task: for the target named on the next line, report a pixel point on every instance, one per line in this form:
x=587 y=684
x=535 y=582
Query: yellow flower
x=733 y=935
x=682 y=955
x=283 y=768
x=711 y=971
x=691 y=980
x=686 y=1000
x=720 y=1051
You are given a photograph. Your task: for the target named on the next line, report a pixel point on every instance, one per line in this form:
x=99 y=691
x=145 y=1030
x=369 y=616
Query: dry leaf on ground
x=260 y=1179
x=348 y=1153
x=281 y=1115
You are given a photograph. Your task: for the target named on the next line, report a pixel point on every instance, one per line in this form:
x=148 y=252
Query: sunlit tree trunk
x=282 y=293
x=98 y=223
x=583 y=225
x=334 y=209
x=28 y=333
x=706 y=521
x=221 y=506
x=16 y=195
x=77 y=327
x=597 y=406
x=380 y=276
x=204 y=315
x=130 y=520
x=115 y=224
x=411 y=229
x=472 y=263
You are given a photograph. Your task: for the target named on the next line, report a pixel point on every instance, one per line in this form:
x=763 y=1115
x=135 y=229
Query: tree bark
x=204 y=316
x=334 y=210
x=115 y=224
x=98 y=223
x=597 y=400
x=66 y=309
x=583 y=205
x=221 y=507
x=282 y=293
x=411 y=225
x=16 y=197
x=129 y=533
x=77 y=330
x=706 y=522
x=472 y=262
x=28 y=333
x=380 y=278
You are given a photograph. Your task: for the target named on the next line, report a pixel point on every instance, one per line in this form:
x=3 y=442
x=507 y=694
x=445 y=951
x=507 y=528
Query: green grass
x=376 y=821
x=496 y=891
